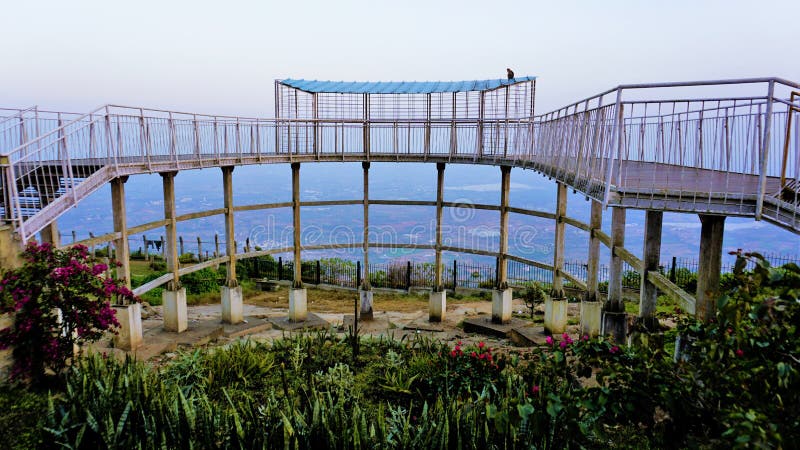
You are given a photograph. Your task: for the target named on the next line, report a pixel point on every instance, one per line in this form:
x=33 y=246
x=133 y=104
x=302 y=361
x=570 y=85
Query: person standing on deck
x=510 y=73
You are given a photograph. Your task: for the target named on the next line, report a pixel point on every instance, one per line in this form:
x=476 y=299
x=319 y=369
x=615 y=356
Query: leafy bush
x=745 y=363
x=736 y=386
x=200 y=282
x=58 y=300
x=187 y=258
x=21 y=420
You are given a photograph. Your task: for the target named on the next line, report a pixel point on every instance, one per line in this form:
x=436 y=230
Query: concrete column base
x=366 y=312
x=555 y=316
x=232 y=306
x=174 y=309
x=591 y=315
x=501 y=305
x=437 y=305
x=298 y=304
x=129 y=334
x=10 y=248
x=615 y=324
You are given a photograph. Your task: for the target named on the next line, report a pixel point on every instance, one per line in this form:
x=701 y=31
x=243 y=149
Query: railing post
x=616 y=145
x=427 y=144
x=173 y=138
x=358 y=273
x=762 y=176
x=408 y=275
x=455 y=275
x=672 y=273
x=280 y=268
x=319 y=277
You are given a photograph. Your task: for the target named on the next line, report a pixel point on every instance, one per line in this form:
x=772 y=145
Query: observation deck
x=655 y=147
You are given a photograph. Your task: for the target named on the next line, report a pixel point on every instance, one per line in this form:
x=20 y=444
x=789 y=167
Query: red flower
x=481 y=344
x=535 y=389
x=614 y=350
x=739 y=353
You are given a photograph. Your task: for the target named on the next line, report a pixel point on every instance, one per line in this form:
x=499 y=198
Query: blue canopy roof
x=400 y=87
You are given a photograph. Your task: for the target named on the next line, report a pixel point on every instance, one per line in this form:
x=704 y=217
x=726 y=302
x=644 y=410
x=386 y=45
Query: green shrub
x=200 y=281
x=187 y=258
x=21 y=419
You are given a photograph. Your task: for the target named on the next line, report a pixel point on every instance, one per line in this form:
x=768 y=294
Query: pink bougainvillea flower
x=549 y=340
x=535 y=389
x=481 y=344
x=614 y=350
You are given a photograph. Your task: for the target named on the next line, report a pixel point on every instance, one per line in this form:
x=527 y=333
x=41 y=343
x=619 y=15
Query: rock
x=148 y=311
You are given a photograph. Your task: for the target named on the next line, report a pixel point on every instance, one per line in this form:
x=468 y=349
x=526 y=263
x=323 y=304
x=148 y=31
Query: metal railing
x=722 y=154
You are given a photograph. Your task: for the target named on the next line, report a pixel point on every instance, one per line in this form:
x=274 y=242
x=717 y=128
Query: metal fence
x=465 y=274
x=652 y=150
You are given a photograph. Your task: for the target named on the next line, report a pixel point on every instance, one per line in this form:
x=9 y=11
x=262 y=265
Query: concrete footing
x=365 y=312
x=555 y=315
x=437 y=305
x=129 y=333
x=591 y=315
x=298 y=304
x=10 y=248
x=615 y=324
x=232 y=307
x=174 y=310
x=501 y=305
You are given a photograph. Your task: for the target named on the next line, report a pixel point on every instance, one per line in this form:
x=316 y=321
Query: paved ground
x=206 y=327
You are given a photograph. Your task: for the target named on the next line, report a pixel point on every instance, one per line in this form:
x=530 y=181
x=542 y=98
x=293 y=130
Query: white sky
x=222 y=56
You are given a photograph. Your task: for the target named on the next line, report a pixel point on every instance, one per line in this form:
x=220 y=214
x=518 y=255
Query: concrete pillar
x=709 y=265
x=121 y=227
x=365 y=290
x=129 y=335
x=174 y=309
x=648 y=293
x=230 y=240
x=615 y=322
x=232 y=304
x=174 y=295
x=231 y=293
x=437 y=283
x=593 y=265
x=502 y=267
x=591 y=307
x=555 y=315
x=558 y=244
x=501 y=305
x=298 y=304
x=437 y=303
x=10 y=248
x=501 y=297
x=50 y=234
x=437 y=306
x=591 y=315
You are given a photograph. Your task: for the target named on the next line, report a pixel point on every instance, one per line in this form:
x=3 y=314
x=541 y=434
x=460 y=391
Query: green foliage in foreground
x=736 y=385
